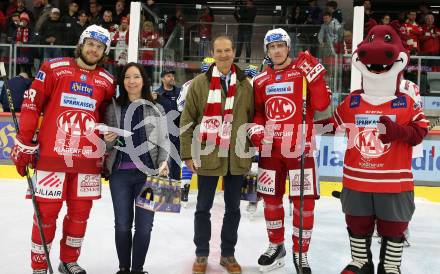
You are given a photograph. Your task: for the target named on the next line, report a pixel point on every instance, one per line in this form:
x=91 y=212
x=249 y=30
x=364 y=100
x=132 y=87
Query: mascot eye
x=387 y=38
x=371 y=38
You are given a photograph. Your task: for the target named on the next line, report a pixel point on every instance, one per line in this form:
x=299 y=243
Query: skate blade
x=277 y=264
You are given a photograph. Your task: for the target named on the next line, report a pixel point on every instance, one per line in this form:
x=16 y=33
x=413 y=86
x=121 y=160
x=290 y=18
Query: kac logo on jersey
x=280 y=88
x=369 y=145
x=279 y=108
x=41 y=75
x=399 y=102
x=81 y=88
x=355 y=101
x=278 y=77
x=83 y=77
x=76 y=123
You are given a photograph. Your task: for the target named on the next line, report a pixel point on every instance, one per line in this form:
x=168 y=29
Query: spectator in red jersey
x=24 y=35
x=430 y=40
x=412 y=31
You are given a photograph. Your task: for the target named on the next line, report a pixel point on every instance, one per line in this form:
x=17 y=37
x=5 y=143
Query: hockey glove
x=23 y=155
x=256 y=135
x=310 y=67
x=411 y=134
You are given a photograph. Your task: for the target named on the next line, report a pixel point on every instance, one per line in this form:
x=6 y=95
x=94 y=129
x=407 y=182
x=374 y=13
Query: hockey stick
x=29 y=180
x=301 y=184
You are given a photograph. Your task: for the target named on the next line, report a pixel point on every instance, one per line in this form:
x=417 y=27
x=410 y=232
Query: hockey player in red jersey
x=278 y=114
x=72 y=95
x=382 y=124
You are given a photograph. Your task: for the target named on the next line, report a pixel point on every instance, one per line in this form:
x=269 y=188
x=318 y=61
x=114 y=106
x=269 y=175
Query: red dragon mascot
x=382 y=123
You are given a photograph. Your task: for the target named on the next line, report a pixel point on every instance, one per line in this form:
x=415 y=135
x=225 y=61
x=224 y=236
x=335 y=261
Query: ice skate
x=273 y=258
x=305 y=264
x=70 y=268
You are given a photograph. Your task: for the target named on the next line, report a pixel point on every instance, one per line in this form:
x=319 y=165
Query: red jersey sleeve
x=34 y=101
x=419 y=118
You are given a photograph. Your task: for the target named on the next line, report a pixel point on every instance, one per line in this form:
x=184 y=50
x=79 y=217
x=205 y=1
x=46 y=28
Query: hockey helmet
x=275 y=35
x=206 y=63
x=97 y=33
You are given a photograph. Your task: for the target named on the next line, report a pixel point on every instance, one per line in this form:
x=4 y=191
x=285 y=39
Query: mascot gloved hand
x=411 y=133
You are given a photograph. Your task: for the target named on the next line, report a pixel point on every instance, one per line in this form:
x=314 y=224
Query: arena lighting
x=222 y=8
x=218 y=3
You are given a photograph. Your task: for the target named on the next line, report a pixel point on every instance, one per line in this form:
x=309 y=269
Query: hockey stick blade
x=336 y=194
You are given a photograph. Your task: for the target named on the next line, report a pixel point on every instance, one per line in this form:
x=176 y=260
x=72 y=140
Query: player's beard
x=88 y=62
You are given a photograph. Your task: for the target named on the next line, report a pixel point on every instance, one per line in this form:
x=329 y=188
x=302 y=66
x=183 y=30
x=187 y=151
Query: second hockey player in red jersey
x=72 y=95
x=278 y=114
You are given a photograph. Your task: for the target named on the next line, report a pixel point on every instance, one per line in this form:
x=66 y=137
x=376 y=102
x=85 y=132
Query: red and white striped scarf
x=214 y=127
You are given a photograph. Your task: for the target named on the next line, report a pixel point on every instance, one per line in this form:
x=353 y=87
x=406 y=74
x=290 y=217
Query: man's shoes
x=200 y=264
x=123 y=271
x=230 y=264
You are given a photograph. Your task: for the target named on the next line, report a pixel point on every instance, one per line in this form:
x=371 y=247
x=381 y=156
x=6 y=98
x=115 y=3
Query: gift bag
x=160 y=194
x=249 y=188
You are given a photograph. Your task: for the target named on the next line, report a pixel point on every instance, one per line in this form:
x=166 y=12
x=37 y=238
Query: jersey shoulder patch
x=106 y=75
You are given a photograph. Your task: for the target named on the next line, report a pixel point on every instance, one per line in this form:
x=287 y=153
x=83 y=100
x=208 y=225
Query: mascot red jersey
x=382 y=124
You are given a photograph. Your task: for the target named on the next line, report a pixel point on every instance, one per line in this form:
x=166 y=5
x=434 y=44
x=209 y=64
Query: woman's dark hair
x=146 y=89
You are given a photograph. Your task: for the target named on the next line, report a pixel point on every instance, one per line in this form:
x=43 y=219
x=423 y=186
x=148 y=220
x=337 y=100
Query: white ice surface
x=172 y=250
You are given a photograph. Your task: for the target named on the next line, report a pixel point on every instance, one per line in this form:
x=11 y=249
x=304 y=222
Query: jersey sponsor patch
x=59 y=64
x=280 y=88
x=278 y=77
x=295 y=181
x=370 y=120
x=81 y=88
x=41 y=75
x=276 y=224
x=101 y=83
x=279 y=108
x=71 y=147
x=74 y=242
x=293 y=74
x=355 y=101
x=399 y=102
x=266 y=181
x=63 y=72
x=49 y=184
x=106 y=76
x=38 y=249
x=77 y=101
x=89 y=185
